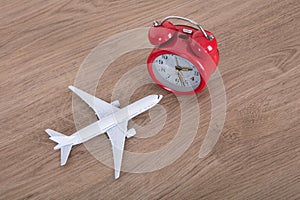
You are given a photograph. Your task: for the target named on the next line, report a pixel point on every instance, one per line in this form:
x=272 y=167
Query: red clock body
x=183 y=58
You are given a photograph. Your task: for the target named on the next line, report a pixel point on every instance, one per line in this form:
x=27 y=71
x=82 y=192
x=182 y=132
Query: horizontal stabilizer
x=64 y=154
x=64 y=144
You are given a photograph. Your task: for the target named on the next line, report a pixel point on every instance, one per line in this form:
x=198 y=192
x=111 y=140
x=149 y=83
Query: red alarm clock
x=184 y=57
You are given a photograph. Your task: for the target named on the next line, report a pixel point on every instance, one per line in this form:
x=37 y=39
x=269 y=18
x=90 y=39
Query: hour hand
x=183 y=68
x=186 y=69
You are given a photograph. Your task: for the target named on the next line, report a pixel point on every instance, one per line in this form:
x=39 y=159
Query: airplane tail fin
x=64 y=144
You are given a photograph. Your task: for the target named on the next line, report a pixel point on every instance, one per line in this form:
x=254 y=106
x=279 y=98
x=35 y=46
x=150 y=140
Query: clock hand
x=180 y=77
x=183 y=68
x=178 y=68
x=178 y=71
x=177 y=65
x=186 y=69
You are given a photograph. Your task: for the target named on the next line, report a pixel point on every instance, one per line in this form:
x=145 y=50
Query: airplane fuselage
x=119 y=116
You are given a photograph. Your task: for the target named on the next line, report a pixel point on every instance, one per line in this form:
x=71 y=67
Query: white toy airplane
x=113 y=121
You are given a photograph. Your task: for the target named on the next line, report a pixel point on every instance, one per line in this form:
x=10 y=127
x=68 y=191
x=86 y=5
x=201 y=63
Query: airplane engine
x=130 y=133
x=116 y=103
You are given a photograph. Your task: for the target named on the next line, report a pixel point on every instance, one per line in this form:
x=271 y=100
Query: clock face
x=176 y=73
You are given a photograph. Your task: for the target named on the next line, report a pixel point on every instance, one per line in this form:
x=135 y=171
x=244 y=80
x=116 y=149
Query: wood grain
x=42 y=46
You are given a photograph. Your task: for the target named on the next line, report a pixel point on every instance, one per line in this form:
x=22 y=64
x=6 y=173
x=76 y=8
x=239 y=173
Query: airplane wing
x=100 y=107
x=117 y=138
x=116 y=134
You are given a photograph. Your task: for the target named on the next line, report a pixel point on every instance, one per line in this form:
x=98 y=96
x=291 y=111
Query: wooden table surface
x=257 y=156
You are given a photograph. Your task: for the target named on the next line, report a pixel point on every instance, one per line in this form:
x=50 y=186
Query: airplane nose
x=159 y=96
